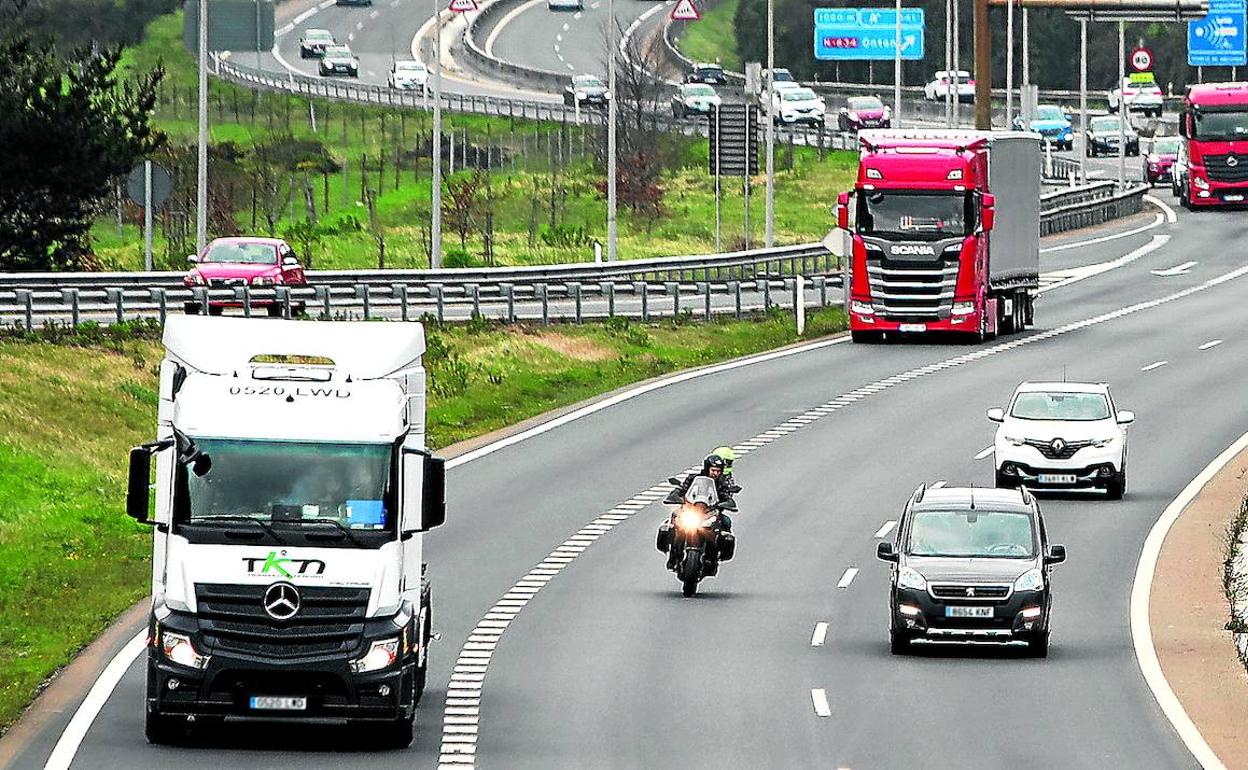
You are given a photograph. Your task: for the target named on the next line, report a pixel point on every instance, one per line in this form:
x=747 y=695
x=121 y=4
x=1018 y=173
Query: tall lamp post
x=201 y=171
x=769 y=233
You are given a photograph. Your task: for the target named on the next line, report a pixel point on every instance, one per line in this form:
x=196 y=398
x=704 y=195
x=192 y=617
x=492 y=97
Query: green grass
x=70 y=560
x=712 y=38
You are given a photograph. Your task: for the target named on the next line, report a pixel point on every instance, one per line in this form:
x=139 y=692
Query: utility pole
x=1122 y=106
x=949 y=69
x=1009 y=63
x=1083 y=99
x=612 y=235
x=983 y=67
x=201 y=172
x=897 y=70
x=435 y=246
x=769 y=230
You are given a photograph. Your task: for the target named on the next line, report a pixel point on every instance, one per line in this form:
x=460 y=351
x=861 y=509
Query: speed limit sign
x=1142 y=60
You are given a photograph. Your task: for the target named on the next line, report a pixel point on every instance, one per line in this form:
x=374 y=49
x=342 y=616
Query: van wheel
x=898 y=642
x=1038 y=645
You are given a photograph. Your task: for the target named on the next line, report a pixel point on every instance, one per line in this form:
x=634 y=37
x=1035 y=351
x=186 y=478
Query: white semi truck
x=292 y=488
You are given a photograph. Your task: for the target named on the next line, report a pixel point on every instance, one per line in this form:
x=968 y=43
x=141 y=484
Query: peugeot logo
x=1058 y=445
x=970 y=593
x=1232 y=161
x=281 y=601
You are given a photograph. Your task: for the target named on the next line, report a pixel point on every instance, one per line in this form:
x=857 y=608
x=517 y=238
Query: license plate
x=276 y=703
x=968 y=612
x=912 y=327
x=1057 y=478
x=1235 y=198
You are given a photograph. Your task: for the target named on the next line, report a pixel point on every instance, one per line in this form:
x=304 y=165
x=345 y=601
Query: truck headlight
x=177 y=648
x=963 y=308
x=1200 y=182
x=861 y=308
x=381 y=654
x=908 y=577
x=1031 y=580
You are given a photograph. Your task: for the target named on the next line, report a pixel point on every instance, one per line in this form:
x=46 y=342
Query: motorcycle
x=691 y=537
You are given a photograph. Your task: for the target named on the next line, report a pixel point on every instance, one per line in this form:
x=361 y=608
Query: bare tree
x=461 y=206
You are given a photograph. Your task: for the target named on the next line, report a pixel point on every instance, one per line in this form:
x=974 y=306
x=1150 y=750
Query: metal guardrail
x=1088 y=206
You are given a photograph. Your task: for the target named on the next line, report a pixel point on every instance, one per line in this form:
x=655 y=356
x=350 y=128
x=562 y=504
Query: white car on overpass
x=937 y=89
x=1062 y=435
x=408 y=75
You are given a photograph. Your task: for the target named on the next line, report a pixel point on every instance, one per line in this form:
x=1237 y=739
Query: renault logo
x=1232 y=161
x=281 y=601
x=1058 y=445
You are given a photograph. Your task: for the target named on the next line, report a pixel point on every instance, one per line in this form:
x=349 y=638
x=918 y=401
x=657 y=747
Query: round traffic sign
x=162 y=185
x=1142 y=60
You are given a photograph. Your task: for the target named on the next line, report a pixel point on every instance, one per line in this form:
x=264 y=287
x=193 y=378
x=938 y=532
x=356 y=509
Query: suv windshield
x=281 y=483
x=921 y=216
x=1221 y=126
x=1049 y=113
x=971 y=534
x=1060 y=406
x=242 y=253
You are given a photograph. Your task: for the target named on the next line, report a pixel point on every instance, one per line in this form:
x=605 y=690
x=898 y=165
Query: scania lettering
x=945 y=233
x=292 y=489
x=1214 y=124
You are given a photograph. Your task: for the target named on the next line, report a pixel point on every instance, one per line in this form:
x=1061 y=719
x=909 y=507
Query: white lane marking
x=301 y=18
x=569 y=65
x=820 y=700
x=565 y=26
x=985 y=452
x=596 y=6
x=559 y=37
x=67 y=745
x=848 y=577
x=326 y=4
x=359 y=25
x=374 y=14
x=938 y=484
x=1170 y=272
x=372 y=74
x=1067 y=277
x=1159 y=203
x=350 y=36
x=503 y=22
x=820 y=633
x=1124 y=234
x=1141 y=630
x=576 y=15
x=1210 y=344
x=884 y=530
x=1154 y=365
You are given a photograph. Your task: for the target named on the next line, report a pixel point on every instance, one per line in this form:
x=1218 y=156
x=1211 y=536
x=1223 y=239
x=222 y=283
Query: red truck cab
x=228 y=263
x=922 y=258
x=1214 y=124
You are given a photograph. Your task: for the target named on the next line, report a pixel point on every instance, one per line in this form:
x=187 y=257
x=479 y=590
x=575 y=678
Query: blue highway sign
x=854 y=34
x=1218 y=39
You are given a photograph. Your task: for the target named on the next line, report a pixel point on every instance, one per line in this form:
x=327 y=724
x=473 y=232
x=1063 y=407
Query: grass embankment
x=712 y=38
x=70 y=561
x=531 y=226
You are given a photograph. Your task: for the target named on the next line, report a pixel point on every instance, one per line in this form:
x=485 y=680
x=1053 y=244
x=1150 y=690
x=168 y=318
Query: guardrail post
x=734 y=287
x=766 y=290
x=70 y=296
x=361 y=293
x=243 y=293
x=544 y=292
x=476 y=299
x=642 y=288
x=608 y=288
x=576 y=294
x=322 y=296
x=509 y=291
x=822 y=283
x=799 y=302
x=706 y=288
x=116 y=296
x=161 y=298
x=25 y=298
x=400 y=290
x=282 y=294
x=674 y=288
x=199 y=295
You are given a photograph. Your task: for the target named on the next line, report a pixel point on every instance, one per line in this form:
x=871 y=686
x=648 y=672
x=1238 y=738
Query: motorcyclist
x=713 y=467
x=729 y=456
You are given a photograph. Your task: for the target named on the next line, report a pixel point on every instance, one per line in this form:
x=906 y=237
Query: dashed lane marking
x=848 y=577
x=820 y=700
x=885 y=529
x=986 y=451
x=820 y=634
x=1210 y=344
x=1154 y=365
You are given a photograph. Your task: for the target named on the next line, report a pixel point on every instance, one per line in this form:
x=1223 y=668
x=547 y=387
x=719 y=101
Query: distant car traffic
x=407 y=75
x=587 y=90
x=694 y=99
x=1139 y=97
x=1159 y=161
x=864 y=112
x=565 y=5
x=338 y=60
x=229 y=263
x=971 y=565
x=1052 y=124
x=798 y=105
x=708 y=73
x=1102 y=136
x=1063 y=435
x=314 y=42
x=939 y=87
x=782 y=76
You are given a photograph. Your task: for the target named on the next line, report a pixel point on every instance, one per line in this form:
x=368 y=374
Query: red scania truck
x=1214 y=125
x=945 y=228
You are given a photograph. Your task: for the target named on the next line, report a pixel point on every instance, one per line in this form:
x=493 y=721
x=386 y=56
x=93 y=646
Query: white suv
x=1063 y=435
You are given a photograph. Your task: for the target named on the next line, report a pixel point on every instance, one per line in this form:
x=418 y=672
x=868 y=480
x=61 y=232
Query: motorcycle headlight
x=689 y=518
x=1031 y=580
x=908 y=577
x=381 y=654
x=177 y=648
x=1014 y=441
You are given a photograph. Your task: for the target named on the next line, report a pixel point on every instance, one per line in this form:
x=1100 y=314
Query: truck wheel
x=191 y=308
x=864 y=337
x=1038 y=645
x=164 y=730
x=394 y=734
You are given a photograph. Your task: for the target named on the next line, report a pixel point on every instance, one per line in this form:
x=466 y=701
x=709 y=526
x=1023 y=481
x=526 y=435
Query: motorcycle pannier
x=727 y=546
x=663 y=540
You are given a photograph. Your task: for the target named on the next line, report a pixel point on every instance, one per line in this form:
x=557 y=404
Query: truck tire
x=163 y=730
x=393 y=734
x=864 y=337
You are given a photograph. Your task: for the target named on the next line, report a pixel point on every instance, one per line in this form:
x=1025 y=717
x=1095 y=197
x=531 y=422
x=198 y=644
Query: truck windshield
x=972 y=534
x=917 y=216
x=285 y=485
x=1221 y=126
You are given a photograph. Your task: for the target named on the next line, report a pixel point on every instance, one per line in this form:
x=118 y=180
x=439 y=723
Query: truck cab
x=924 y=256
x=292 y=489
x=1214 y=125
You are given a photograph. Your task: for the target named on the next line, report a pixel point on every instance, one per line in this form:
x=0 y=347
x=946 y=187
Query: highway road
x=605 y=665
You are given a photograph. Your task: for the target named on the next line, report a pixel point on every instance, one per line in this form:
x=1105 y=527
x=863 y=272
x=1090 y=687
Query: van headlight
x=908 y=577
x=381 y=654
x=177 y=648
x=1031 y=580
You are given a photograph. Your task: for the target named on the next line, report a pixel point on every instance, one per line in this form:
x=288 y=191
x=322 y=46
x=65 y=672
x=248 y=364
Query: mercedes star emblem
x=1058 y=445
x=1232 y=161
x=281 y=601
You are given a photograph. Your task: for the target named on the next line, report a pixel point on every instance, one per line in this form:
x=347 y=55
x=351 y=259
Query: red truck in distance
x=1214 y=124
x=945 y=233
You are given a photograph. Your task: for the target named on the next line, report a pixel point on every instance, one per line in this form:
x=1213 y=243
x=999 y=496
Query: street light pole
x=1083 y=99
x=1009 y=62
x=949 y=69
x=769 y=231
x=1122 y=106
x=612 y=234
x=435 y=237
x=957 y=66
x=897 y=70
x=983 y=67
x=201 y=173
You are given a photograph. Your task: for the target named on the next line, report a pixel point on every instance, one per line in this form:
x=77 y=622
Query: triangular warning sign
x=685 y=10
x=463 y=6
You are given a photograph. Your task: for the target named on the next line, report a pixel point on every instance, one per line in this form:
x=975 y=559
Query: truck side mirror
x=423 y=471
x=139 y=484
x=1183 y=129
x=842 y=211
x=988 y=212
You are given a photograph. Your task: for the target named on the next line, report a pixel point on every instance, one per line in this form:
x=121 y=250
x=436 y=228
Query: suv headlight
x=1031 y=580
x=1100 y=443
x=908 y=577
x=177 y=648
x=1015 y=440
x=381 y=654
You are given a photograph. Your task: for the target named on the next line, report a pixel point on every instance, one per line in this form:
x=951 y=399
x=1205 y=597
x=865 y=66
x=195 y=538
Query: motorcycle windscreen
x=703 y=491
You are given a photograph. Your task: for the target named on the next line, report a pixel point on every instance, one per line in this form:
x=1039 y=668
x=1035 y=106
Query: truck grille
x=969 y=591
x=1222 y=170
x=912 y=290
x=329 y=621
x=1067 y=451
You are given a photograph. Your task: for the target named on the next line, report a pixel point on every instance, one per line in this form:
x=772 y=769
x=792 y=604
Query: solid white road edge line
x=503 y=22
x=885 y=529
x=1159 y=203
x=67 y=746
x=821 y=633
x=1142 y=632
x=1088 y=271
x=1210 y=344
x=1154 y=365
x=1104 y=238
x=986 y=451
x=848 y=577
x=820 y=700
